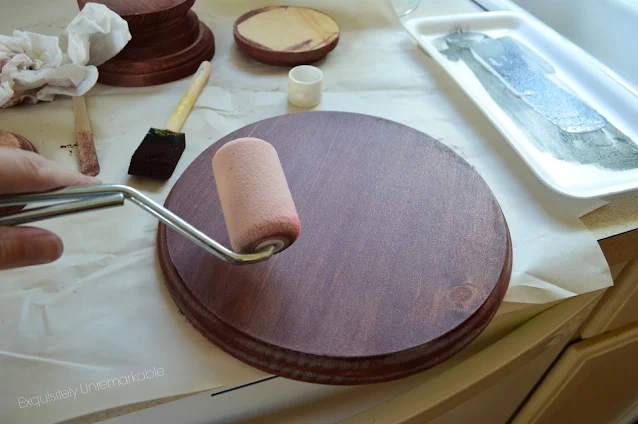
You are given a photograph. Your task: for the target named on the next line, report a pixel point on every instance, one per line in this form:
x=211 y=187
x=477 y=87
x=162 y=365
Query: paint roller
x=257 y=205
x=256 y=200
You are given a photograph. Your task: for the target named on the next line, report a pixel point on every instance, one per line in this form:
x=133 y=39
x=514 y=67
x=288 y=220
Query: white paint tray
x=596 y=164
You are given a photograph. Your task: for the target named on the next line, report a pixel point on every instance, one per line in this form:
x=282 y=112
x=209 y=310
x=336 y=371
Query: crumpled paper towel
x=36 y=67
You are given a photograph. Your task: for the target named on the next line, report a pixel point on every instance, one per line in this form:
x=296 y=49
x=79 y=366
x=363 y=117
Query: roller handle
x=78 y=199
x=190 y=96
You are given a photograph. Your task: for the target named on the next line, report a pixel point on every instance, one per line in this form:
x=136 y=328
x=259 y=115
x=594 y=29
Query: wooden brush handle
x=188 y=99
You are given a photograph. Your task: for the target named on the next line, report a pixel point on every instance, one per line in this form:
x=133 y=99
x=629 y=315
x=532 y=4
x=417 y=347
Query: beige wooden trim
x=623 y=295
x=620 y=248
x=445 y=391
x=567 y=368
x=631 y=417
x=111 y=413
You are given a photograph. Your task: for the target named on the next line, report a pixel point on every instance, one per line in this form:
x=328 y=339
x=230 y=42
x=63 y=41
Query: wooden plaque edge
x=313 y=368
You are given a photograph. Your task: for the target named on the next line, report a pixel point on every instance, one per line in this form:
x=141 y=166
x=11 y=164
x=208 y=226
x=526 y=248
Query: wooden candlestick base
x=168 y=43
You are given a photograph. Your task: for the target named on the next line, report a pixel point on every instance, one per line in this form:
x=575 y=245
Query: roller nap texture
x=256 y=200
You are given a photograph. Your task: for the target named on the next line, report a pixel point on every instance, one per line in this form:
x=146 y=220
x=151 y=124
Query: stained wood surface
x=286 y=35
x=140 y=13
x=404 y=254
x=168 y=43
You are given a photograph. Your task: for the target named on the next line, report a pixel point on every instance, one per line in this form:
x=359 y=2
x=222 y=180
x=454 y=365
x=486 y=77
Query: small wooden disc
x=403 y=259
x=286 y=35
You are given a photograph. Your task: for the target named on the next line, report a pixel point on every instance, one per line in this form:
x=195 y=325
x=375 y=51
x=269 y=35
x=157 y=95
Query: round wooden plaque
x=168 y=42
x=403 y=259
x=286 y=35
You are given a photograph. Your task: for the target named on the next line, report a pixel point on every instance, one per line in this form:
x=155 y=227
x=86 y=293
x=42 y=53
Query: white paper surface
x=102 y=312
x=36 y=67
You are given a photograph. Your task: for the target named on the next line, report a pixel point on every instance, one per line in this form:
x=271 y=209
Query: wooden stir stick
x=89 y=164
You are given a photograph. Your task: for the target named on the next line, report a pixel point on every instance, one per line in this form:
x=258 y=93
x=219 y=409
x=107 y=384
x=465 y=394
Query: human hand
x=27 y=172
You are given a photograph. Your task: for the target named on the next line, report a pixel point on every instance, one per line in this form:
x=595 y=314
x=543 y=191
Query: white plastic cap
x=305 y=86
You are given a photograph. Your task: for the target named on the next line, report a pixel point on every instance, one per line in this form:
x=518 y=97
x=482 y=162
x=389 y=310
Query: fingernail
x=46 y=246
x=25 y=246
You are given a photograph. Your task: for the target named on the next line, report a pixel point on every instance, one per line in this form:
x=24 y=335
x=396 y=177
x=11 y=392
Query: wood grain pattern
x=178 y=36
x=144 y=13
x=168 y=43
x=286 y=35
x=403 y=259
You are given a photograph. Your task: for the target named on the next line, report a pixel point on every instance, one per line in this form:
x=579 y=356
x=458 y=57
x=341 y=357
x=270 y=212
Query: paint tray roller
x=256 y=202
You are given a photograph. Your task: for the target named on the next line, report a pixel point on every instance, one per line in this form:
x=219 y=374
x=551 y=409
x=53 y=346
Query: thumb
x=25 y=246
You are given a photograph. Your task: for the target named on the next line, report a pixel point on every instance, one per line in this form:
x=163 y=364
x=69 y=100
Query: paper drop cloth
x=102 y=311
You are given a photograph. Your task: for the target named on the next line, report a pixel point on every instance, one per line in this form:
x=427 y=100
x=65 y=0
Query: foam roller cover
x=254 y=194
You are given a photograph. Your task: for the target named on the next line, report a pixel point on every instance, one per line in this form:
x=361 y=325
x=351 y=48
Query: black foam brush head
x=158 y=154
